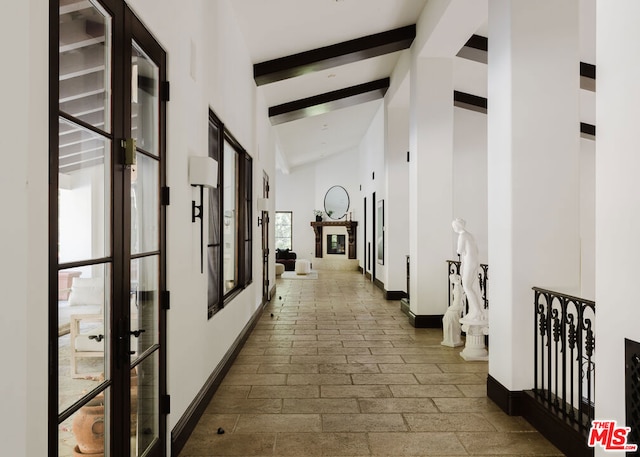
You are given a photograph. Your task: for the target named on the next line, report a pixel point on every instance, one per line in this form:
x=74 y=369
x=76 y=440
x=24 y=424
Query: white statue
x=451 y=320
x=469 y=265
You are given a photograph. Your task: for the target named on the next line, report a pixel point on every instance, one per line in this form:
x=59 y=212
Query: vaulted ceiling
x=335 y=58
x=323 y=66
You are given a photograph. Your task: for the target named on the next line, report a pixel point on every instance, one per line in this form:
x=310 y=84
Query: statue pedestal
x=474 y=348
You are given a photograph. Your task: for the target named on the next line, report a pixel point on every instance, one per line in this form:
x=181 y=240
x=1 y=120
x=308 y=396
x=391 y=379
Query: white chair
x=87 y=338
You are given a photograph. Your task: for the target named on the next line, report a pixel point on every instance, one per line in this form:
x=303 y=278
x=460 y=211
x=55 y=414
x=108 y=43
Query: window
x=229 y=249
x=283 y=229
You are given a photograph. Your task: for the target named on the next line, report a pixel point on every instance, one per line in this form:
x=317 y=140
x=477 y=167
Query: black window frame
x=243 y=264
x=290 y=228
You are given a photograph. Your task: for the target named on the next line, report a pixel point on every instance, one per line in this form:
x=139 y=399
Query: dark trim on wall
x=509 y=401
x=367 y=275
x=187 y=423
x=587 y=76
x=587 y=70
x=587 y=131
x=394 y=294
x=379 y=284
x=478 y=42
x=420 y=321
x=470 y=102
x=329 y=101
x=475 y=49
x=334 y=55
x=553 y=427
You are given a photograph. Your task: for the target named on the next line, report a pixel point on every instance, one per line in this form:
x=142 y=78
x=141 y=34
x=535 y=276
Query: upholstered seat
x=286 y=258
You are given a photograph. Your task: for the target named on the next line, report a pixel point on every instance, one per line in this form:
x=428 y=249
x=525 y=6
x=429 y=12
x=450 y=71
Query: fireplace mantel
x=351 y=231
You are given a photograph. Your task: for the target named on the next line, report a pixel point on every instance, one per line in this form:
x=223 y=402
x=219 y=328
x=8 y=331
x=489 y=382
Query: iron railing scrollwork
x=564 y=348
x=453 y=267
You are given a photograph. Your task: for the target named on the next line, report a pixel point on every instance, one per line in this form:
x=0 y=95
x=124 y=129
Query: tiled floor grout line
x=338 y=371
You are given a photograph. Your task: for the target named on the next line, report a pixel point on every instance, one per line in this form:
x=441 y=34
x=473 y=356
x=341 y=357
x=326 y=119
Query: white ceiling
x=279 y=28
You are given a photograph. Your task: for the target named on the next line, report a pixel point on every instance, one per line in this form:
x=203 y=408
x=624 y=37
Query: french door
x=107 y=299
x=265 y=241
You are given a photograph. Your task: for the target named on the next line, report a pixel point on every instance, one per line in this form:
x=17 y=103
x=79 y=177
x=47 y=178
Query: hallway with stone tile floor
x=334 y=369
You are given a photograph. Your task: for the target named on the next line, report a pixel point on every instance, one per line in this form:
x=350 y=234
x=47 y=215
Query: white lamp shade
x=263 y=204
x=203 y=171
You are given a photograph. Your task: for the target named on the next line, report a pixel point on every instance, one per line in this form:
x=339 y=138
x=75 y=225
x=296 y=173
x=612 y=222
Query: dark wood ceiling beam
x=469 y=101
x=334 y=55
x=330 y=101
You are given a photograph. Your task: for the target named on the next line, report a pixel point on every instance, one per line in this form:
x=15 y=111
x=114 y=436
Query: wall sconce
x=203 y=172
x=263 y=206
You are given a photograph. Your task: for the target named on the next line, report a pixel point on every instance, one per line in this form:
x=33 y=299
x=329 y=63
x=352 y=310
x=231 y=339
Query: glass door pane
x=85 y=62
x=145 y=252
x=85 y=267
x=86 y=432
x=230 y=232
x=84 y=194
x=145 y=101
x=145 y=399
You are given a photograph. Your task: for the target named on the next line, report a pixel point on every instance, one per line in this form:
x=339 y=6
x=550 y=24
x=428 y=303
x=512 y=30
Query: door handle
x=137 y=333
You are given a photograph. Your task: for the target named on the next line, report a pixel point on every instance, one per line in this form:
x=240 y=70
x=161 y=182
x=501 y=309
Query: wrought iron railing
x=453 y=267
x=564 y=347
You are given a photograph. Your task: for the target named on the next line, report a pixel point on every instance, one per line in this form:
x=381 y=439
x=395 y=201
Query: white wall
x=397 y=201
x=617 y=202
x=24 y=230
x=295 y=192
x=373 y=179
x=303 y=190
x=588 y=219
x=470 y=177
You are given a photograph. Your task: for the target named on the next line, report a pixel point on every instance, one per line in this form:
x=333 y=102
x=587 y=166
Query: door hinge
x=165 y=404
x=408 y=156
x=164 y=196
x=165 y=299
x=164 y=91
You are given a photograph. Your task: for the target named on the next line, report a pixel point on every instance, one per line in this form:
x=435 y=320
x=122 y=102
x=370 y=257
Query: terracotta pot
x=77 y=453
x=88 y=427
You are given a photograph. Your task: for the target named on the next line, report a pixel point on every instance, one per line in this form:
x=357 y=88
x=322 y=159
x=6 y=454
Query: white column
x=24 y=237
x=430 y=183
x=397 y=204
x=617 y=200
x=533 y=172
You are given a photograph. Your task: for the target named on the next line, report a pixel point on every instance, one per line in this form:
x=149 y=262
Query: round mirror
x=336 y=202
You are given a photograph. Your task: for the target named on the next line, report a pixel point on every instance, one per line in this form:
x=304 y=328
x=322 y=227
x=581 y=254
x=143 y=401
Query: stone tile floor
x=334 y=369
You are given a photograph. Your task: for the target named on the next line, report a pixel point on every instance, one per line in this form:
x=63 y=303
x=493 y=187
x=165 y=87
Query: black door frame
x=125 y=27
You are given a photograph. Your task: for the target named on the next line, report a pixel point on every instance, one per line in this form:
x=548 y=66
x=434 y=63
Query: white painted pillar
x=24 y=241
x=430 y=183
x=397 y=204
x=533 y=172
x=617 y=201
